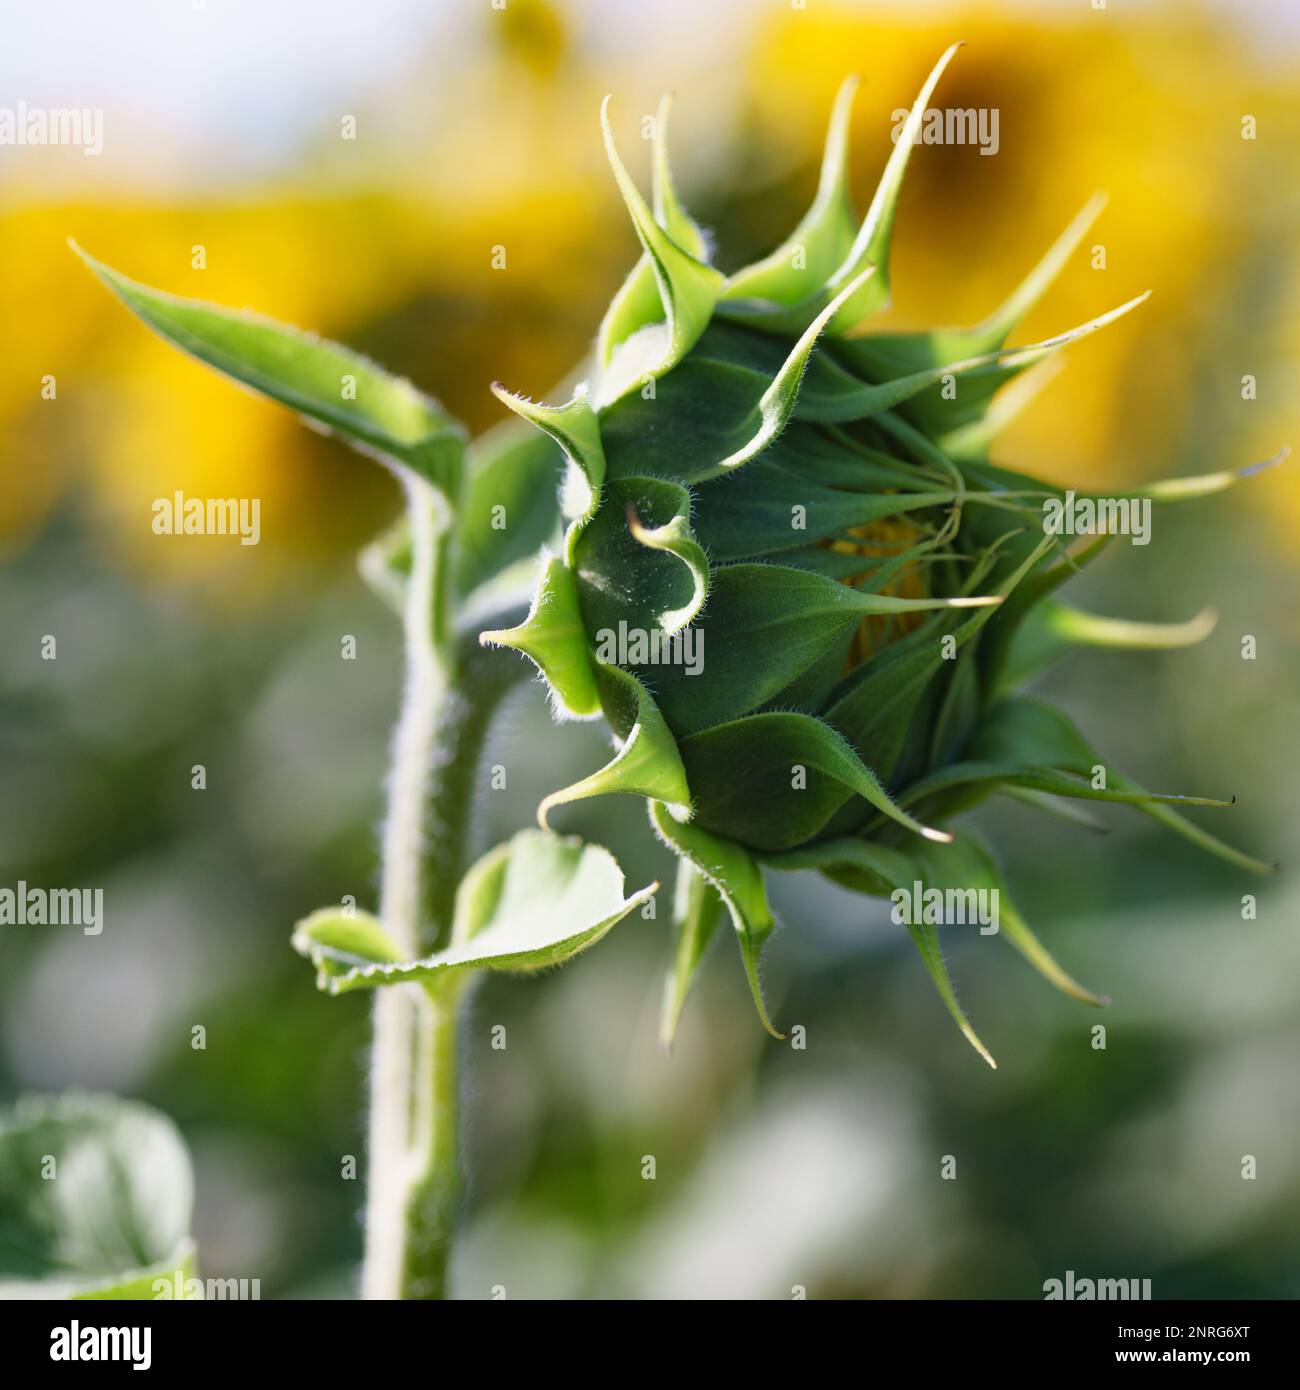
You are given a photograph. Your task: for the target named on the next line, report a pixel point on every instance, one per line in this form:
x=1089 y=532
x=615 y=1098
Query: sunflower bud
x=791 y=580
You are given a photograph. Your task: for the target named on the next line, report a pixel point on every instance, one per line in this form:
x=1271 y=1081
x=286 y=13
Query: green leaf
x=732 y=871
x=554 y=639
x=533 y=902
x=96 y=1196
x=631 y=352
x=647 y=762
x=697 y=910
x=339 y=940
x=881 y=357
x=379 y=414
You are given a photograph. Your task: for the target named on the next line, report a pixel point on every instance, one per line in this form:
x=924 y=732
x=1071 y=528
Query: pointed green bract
x=639 y=564
x=966 y=865
x=732 y=871
x=794 y=616
x=776 y=405
x=1205 y=484
x=509 y=506
x=871 y=246
x=378 y=413
x=634 y=353
x=1053 y=628
x=1171 y=819
x=553 y=637
x=869 y=868
x=856 y=403
x=697 y=910
x=1002 y=322
x=638 y=301
x=647 y=762
x=799 y=269
x=926 y=939
x=669 y=211
x=573 y=426
x=793 y=764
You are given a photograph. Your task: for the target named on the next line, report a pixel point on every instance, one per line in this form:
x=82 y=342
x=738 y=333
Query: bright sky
x=240 y=83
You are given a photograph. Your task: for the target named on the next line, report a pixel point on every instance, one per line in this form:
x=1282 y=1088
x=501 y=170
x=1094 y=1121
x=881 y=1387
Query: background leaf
x=96 y=1196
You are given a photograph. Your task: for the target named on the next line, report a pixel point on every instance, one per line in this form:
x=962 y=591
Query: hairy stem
x=447 y=709
x=397 y=1018
x=434 y=1193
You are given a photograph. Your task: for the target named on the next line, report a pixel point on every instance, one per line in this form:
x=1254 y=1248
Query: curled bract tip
x=1278 y=458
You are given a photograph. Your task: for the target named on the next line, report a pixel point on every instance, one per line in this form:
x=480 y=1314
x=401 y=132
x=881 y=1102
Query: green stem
x=395 y=1148
x=435 y=1185
x=434 y=1194
x=447 y=709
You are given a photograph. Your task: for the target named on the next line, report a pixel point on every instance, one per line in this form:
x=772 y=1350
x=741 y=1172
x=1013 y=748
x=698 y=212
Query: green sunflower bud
x=794 y=584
